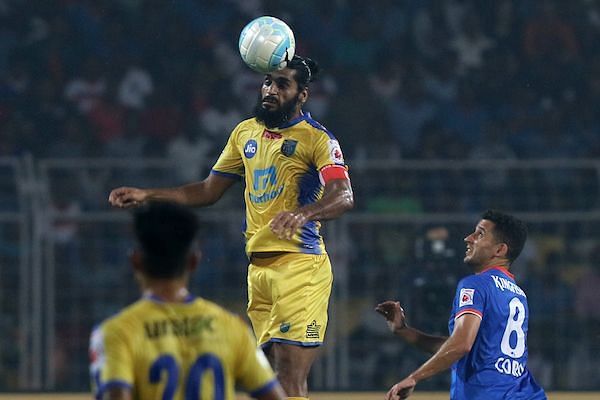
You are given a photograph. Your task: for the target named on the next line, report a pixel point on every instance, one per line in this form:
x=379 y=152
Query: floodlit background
x=443 y=108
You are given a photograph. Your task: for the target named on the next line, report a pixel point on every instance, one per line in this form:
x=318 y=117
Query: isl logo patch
x=466 y=297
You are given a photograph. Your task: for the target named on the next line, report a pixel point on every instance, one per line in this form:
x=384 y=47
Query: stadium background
x=443 y=108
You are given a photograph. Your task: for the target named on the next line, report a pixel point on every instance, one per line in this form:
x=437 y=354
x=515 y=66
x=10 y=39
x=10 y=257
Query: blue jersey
x=496 y=366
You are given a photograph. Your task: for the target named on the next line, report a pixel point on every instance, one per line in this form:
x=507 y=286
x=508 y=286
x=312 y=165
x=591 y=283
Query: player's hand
x=393 y=313
x=402 y=389
x=126 y=197
x=286 y=223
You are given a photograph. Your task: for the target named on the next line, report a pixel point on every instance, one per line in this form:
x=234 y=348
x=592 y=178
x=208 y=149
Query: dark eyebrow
x=481 y=228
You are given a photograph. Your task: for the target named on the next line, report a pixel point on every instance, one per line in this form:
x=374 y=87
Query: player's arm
x=337 y=199
x=394 y=315
x=197 y=194
x=458 y=344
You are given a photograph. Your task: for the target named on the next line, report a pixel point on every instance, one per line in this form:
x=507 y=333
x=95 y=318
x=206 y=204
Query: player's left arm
x=458 y=344
x=337 y=199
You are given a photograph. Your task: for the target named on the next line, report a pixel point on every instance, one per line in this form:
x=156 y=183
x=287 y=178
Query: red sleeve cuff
x=468 y=311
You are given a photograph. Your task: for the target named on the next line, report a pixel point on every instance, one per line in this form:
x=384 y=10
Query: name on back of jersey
x=504 y=284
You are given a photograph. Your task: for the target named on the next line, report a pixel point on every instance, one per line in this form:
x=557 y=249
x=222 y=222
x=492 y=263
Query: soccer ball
x=267 y=44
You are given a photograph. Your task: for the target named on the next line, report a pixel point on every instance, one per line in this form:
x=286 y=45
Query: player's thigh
x=301 y=291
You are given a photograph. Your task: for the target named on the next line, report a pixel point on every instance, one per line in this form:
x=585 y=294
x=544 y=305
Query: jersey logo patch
x=466 y=297
x=335 y=152
x=271 y=135
x=284 y=327
x=312 y=330
x=250 y=148
x=288 y=147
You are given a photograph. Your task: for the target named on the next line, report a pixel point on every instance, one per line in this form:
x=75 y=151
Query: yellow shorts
x=288 y=296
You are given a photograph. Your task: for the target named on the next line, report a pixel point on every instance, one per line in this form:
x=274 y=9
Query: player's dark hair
x=306 y=70
x=165 y=233
x=509 y=230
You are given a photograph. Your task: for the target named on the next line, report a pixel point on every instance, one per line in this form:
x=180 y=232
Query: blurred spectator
x=441 y=78
x=86 y=90
x=161 y=120
x=466 y=117
x=409 y=112
x=135 y=86
x=189 y=152
x=548 y=35
x=221 y=115
x=470 y=44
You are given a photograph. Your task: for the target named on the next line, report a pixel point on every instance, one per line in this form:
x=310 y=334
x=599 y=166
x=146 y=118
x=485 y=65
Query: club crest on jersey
x=250 y=148
x=288 y=147
x=466 y=297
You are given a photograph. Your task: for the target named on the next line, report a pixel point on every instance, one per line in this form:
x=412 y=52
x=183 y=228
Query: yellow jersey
x=190 y=350
x=281 y=169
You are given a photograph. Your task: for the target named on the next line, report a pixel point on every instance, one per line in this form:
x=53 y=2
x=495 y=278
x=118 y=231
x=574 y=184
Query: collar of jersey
x=152 y=297
x=501 y=269
x=302 y=117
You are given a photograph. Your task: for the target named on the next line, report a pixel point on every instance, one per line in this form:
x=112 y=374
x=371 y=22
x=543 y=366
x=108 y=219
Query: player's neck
x=167 y=291
x=494 y=264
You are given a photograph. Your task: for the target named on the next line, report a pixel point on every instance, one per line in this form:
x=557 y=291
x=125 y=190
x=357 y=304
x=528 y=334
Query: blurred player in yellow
x=170 y=344
x=295 y=176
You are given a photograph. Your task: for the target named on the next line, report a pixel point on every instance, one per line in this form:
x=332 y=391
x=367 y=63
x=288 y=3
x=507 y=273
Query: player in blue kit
x=487 y=347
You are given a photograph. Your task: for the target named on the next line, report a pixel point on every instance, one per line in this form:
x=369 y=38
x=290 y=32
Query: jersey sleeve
x=470 y=297
x=230 y=162
x=327 y=151
x=111 y=362
x=254 y=372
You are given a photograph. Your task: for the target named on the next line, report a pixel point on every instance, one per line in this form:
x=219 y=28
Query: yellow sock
x=297 y=398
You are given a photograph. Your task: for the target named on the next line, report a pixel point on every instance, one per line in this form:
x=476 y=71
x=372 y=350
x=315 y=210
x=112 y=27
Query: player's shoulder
x=127 y=316
x=474 y=280
x=246 y=123
x=316 y=128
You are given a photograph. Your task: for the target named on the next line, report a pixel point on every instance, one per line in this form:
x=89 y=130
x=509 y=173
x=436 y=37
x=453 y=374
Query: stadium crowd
x=429 y=79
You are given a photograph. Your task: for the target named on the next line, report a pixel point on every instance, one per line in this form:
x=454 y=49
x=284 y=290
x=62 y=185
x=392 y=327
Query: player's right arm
x=197 y=194
x=228 y=169
x=393 y=313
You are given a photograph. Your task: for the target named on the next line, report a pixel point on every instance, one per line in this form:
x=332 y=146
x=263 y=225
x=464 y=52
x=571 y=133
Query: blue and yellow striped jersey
x=280 y=167
x=173 y=351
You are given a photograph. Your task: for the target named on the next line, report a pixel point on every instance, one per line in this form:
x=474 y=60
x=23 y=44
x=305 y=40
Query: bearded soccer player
x=171 y=345
x=295 y=177
x=487 y=347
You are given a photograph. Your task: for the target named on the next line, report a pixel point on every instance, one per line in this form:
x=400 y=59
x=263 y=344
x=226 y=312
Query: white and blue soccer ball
x=267 y=44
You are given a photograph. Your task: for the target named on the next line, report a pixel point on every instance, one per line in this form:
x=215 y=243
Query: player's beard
x=277 y=117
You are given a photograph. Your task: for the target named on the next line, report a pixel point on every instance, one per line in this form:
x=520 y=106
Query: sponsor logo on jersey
x=288 y=147
x=250 y=148
x=335 y=152
x=312 y=330
x=271 y=135
x=284 y=327
x=466 y=297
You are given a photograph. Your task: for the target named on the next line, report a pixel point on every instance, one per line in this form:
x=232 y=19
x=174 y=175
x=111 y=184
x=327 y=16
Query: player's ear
x=502 y=250
x=303 y=96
